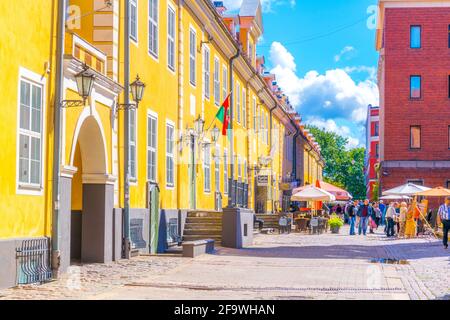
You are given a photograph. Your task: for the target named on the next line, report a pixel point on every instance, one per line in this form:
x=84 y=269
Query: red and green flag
x=224 y=115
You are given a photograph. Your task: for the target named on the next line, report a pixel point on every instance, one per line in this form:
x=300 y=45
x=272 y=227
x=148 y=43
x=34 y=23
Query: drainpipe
x=126 y=211
x=230 y=205
x=271 y=146
x=59 y=94
x=180 y=112
x=294 y=150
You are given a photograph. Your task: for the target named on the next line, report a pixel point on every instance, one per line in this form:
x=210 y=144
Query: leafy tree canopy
x=344 y=168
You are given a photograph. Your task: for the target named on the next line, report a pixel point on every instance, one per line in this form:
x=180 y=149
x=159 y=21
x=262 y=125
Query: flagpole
x=214 y=120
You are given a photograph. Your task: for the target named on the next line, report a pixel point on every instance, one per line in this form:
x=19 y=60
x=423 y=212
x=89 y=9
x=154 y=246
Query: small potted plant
x=335 y=223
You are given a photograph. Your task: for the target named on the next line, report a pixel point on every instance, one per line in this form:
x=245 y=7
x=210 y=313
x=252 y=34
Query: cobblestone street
x=295 y=266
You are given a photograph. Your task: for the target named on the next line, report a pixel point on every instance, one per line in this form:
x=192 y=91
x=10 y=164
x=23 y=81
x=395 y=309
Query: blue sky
x=324 y=57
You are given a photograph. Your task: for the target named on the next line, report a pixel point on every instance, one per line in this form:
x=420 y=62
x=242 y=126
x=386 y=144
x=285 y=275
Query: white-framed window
x=225 y=172
x=238 y=101
x=171 y=38
x=170 y=161
x=153 y=27
x=250 y=52
x=206 y=72
x=245 y=171
x=207 y=168
x=239 y=168
x=152 y=146
x=254 y=114
x=261 y=124
x=217 y=82
x=267 y=129
x=134 y=20
x=244 y=108
x=224 y=82
x=132 y=144
x=192 y=55
x=217 y=169
x=30 y=131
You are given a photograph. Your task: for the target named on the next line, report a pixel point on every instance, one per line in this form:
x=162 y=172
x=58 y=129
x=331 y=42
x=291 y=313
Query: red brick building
x=413 y=40
x=372 y=148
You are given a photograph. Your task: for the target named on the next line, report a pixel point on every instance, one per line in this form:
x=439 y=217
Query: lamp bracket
x=125 y=106
x=72 y=103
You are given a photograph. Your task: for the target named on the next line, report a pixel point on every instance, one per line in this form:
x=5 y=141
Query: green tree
x=343 y=167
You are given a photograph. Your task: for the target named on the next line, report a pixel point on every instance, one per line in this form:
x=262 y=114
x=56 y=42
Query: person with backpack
x=364 y=212
x=351 y=212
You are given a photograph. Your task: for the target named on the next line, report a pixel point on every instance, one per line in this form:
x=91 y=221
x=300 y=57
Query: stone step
x=204 y=214
x=209 y=231
x=203 y=226
x=203 y=220
x=216 y=239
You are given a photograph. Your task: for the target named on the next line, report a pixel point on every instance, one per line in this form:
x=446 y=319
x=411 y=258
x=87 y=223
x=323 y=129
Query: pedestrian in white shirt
x=444 y=215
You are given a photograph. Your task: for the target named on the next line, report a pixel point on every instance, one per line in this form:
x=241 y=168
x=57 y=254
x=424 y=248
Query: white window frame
x=244 y=108
x=133 y=175
x=245 y=171
x=217 y=169
x=170 y=154
x=206 y=73
x=171 y=39
x=239 y=168
x=134 y=38
x=154 y=116
x=192 y=56
x=254 y=114
x=225 y=171
x=216 y=81
x=37 y=80
x=153 y=23
x=207 y=168
x=225 y=82
x=238 y=102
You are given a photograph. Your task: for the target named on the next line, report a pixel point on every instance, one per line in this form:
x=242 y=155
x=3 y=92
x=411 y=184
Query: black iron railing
x=238 y=193
x=33 y=261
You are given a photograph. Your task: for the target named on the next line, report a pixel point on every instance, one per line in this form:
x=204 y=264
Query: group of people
x=398 y=218
x=363 y=215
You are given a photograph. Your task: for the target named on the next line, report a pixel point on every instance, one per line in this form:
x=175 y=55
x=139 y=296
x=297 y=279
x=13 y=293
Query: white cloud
x=329 y=96
x=332 y=126
x=371 y=71
x=347 y=51
x=325 y=99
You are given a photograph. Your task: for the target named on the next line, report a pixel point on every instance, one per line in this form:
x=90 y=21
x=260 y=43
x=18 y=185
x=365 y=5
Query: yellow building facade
x=191 y=55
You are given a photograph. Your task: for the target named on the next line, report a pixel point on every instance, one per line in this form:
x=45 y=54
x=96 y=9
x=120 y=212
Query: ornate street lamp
x=199 y=125
x=137 y=88
x=85 y=82
x=215 y=134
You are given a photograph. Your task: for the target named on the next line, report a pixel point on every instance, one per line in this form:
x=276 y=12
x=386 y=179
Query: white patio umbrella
x=313 y=194
x=394 y=197
x=408 y=189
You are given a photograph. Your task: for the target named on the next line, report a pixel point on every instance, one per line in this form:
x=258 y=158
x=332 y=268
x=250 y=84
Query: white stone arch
x=90 y=134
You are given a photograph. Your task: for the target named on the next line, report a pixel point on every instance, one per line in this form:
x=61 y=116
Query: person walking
x=383 y=209
x=372 y=219
x=402 y=219
x=410 y=224
x=339 y=211
x=351 y=212
x=390 y=214
x=444 y=215
x=378 y=214
x=364 y=212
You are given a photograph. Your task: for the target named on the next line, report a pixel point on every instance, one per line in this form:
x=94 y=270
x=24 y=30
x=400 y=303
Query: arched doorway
x=92 y=195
